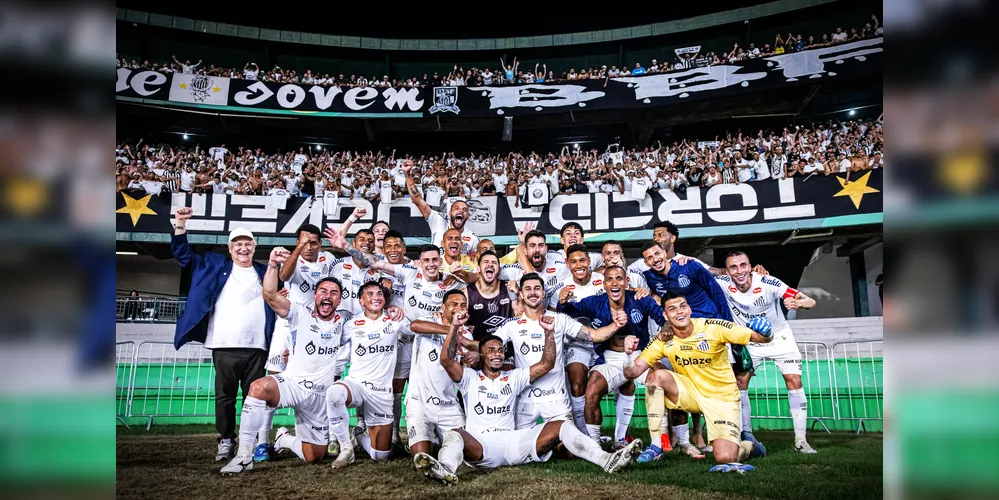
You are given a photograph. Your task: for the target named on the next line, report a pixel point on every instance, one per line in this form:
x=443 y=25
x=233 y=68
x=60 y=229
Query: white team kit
x=579 y=351
x=351 y=276
x=372 y=364
x=554 y=271
x=311 y=369
x=547 y=398
x=491 y=405
x=764 y=298
x=439 y=224
x=432 y=399
x=422 y=297
x=301 y=290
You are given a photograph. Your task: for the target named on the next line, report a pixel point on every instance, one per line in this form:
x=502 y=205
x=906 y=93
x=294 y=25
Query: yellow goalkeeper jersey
x=703 y=356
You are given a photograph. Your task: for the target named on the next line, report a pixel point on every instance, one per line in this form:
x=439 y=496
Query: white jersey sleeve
x=438 y=225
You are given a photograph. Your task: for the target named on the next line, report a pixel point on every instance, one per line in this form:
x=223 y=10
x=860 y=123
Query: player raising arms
x=374 y=336
x=489 y=440
x=702 y=380
x=316 y=338
x=438 y=222
x=752 y=295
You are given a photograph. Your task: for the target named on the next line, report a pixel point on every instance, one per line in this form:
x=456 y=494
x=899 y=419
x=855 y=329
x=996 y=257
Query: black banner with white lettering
x=726 y=207
x=772 y=72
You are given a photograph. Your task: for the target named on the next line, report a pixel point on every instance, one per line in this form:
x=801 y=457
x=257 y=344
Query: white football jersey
x=596 y=259
x=429 y=380
x=398 y=289
x=372 y=355
x=554 y=271
x=528 y=339
x=579 y=292
x=764 y=298
x=351 y=276
x=490 y=404
x=314 y=347
x=639 y=266
x=439 y=224
x=422 y=296
x=302 y=285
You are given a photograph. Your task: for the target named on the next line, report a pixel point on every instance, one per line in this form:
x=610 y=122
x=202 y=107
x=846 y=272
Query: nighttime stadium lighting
x=853 y=112
x=576 y=145
x=126 y=253
x=319 y=147
x=185 y=136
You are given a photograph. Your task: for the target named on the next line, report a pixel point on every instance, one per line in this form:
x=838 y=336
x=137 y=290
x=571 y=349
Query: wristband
x=272 y=265
x=352 y=219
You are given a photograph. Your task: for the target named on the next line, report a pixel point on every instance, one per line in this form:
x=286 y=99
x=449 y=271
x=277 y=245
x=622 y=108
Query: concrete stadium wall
x=147 y=275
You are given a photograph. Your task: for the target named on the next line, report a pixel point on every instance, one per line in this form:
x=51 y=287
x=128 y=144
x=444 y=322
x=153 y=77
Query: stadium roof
x=449 y=20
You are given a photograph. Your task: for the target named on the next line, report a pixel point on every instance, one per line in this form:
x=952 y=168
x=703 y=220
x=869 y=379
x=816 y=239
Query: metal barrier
x=174 y=383
x=124 y=367
x=858 y=388
x=817 y=379
x=149 y=309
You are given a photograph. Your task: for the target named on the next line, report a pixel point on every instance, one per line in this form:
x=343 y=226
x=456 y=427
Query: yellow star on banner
x=136 y=208
x=183 y=85
x=856 y=189
x=964 y=172
x=216 y=89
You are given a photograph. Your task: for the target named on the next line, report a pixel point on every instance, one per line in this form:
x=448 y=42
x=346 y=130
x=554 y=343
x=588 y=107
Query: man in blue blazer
x=227 y=313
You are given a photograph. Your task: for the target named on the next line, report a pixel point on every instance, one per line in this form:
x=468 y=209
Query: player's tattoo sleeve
x=364 y=258
x=585 y=335
x=452 y=346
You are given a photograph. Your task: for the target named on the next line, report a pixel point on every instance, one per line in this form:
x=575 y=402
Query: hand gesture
x=790 y=303
x=681 y=259
x=459 y=318
x=336 y=239
x=630 y=344
x=620 y=319
x=641 y=293
x=666 y=333
x=279 y=255
x=395 y=313
x=284 y=292
x=407 y=165
x=359 y=213
x=564 y=295
x=522 y=232
x=547 y=323
x=758 y=269
x=183 y=213
x=450 y=281
x=512 y=286
x=760 y=325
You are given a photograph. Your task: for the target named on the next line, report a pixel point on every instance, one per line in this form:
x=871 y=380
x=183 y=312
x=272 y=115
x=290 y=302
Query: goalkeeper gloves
x=760 y=325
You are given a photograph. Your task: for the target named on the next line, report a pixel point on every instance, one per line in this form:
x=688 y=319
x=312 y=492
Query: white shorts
x=428 y=422
x=782 y=350
x=529 y=412
x=612 y=369
x=280 y=342
x=583 y=354
x=311 y=423
x=403 y=360
x=504 y=448
x=376 y=401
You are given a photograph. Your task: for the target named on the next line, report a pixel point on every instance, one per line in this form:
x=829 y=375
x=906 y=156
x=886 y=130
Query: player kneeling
x=703 y=381
x=316 y=332
x=490 y=439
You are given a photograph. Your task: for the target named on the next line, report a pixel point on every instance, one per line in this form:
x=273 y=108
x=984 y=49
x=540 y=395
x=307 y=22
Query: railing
x=149 y=309
x=843 y=383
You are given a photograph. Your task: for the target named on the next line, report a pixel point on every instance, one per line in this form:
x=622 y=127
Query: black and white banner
x=693 y=49
x=723 y=205
x=773 y=72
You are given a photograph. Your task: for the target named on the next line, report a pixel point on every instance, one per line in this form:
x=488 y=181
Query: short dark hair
x=311 y=229
x=736 y=253
x=364 y=231
x=483 y=254
x=669 y=226
x=381 y=222
x=392 y=233
x=330 y=279
x=427 y=248
x=534 y=233
x=369 y=284
x=489 y=338
x=670 y=295
x=651 y=244
x=611 y=268
x=531 y=276
x=578 y=247
x=611 y=242
x=570 y=225
x=450 y=293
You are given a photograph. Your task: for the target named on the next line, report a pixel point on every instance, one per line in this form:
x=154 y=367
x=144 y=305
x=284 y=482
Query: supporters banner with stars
x=862 y=57
x=754 y=207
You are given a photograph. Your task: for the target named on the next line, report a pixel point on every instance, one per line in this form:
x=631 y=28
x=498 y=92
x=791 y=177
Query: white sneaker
x=433 y=469
x=225 y=451
x=690 y=450
x=237 y=465
x=802 y=446
x=344 y=458
x=282 y=431
x=621 y=458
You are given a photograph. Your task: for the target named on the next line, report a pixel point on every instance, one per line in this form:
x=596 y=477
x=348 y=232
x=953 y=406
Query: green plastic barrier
x=849 y=389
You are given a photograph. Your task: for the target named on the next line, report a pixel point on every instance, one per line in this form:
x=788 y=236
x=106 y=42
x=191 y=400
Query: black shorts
x=743 y=360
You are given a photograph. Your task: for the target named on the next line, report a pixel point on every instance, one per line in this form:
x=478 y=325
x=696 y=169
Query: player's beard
x=325 y=309
x=538 y=261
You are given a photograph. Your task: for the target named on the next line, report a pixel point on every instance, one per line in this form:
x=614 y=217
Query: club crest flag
x=200 y=89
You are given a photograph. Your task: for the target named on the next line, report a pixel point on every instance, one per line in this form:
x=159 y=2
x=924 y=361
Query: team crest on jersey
x=760 y=302
x=507 y=390
x=348 y=266
x=703 y=346
x=597 y=282
x=636 y=316
x=683 y=280
x=757 y=290
x=359 y=322
x=493 y=307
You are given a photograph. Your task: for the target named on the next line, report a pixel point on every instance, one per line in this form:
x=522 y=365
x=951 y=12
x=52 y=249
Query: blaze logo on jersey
x=525 y=349
x=359 y=322
x=304 y=287
x=310 y=348
x=703 y=346
x=360 y=350
x=433 y=355
x=412 y=301
x=479 y=410
x=683 y=280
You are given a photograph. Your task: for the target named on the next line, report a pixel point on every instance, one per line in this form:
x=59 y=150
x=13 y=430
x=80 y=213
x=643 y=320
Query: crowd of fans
x=822 y=149
x=510 y=72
